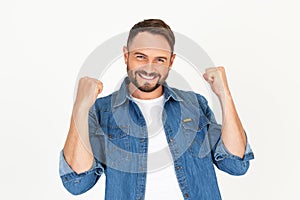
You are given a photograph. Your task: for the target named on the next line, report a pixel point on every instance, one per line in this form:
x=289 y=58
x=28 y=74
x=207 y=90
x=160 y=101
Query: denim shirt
x=118 y=136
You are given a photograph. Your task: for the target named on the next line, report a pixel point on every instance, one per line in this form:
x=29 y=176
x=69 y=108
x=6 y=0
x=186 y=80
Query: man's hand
x=216 y=77
x=87 y=92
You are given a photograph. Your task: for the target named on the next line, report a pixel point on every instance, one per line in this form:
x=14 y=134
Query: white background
x=44 y=43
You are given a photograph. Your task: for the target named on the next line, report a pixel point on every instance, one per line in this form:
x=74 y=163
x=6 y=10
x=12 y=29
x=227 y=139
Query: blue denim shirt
x=118 y=136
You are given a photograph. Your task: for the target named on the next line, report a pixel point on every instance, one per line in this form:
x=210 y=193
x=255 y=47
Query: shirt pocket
x=197 y=137
x=117 y=145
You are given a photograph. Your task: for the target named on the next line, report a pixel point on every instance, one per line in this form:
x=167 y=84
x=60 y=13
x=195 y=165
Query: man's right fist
x=87 y=92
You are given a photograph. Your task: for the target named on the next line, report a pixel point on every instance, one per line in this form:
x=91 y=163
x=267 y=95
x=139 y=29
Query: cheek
x=130 y=73
x=163 y=70
x=131 y=65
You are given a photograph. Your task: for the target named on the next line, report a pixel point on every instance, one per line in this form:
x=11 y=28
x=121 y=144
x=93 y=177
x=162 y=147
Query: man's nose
x=149 y=67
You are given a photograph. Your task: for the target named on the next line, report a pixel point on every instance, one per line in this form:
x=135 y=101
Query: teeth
x=146 y=77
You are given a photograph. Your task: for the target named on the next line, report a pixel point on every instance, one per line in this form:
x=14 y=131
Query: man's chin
x=148 y=89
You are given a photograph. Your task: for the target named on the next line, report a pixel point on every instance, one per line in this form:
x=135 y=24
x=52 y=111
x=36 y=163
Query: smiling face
x=148 y=59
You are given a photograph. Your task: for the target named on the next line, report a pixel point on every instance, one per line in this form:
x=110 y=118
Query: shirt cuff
x=64 y=167
x=222 y=152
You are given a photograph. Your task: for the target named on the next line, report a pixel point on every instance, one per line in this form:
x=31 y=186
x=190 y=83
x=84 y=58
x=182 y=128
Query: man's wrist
x=79 y=110
x=225 y=96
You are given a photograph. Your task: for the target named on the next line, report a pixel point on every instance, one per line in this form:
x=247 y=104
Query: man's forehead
x=150 y=50
x=149 y=41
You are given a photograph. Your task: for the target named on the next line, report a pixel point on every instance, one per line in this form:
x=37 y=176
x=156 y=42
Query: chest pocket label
x=197 y=137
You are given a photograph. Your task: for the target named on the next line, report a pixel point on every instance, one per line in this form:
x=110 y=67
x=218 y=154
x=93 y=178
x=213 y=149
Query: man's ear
x=125 y=54
x=172 y=60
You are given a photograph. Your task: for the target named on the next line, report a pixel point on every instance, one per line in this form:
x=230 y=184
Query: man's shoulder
x=105 y=98
x=104 y=102
x=188 y=95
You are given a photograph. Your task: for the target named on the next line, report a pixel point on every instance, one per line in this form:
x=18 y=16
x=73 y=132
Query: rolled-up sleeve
x=79 y=183
x=223 y=159
x=230 y=163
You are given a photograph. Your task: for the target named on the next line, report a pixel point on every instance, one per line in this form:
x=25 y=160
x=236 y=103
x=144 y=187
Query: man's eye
x=140 y=57
x=161 y=60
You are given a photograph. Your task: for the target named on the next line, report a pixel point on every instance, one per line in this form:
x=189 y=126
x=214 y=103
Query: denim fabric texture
x=118 y=136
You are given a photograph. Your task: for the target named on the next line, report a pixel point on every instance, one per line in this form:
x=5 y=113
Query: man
x=122 y=135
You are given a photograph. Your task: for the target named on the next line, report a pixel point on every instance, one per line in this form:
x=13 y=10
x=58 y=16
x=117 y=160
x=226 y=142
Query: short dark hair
x=154 y=26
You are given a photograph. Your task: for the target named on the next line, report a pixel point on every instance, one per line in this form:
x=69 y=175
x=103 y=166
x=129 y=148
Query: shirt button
x=186 y=195
x=178 y=167
x=109 y=135
x=171 y=140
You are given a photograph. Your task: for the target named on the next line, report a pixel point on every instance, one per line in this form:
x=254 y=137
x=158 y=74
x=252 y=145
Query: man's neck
x=136 y=93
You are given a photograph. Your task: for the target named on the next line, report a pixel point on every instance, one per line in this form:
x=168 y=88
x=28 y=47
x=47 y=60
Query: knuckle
x=221 y=68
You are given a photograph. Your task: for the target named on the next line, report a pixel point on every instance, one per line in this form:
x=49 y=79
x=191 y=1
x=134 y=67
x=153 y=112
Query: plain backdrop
x=44 y=43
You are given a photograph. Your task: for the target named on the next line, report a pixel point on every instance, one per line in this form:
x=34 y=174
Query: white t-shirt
x=161 y=181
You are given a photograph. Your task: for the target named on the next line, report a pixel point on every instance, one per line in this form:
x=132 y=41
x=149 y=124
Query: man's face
x=148 y=60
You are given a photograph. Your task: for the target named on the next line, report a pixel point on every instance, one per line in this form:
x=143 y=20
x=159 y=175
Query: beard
x=146 y=86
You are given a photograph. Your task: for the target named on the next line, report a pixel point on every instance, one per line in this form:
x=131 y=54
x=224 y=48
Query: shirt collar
x=122 y=94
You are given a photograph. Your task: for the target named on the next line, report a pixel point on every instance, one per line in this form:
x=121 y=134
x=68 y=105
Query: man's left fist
x=216 y=77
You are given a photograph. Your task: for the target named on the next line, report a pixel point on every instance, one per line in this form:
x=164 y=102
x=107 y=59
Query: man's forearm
x=77 y=149
x=233 y=134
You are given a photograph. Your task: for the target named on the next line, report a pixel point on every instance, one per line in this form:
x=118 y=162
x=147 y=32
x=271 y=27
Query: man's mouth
x=147 y=77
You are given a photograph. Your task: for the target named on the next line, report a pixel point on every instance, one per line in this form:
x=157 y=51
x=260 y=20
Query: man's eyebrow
x=135 y=53
x=162 y=57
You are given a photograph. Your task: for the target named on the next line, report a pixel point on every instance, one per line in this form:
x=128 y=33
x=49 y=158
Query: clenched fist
x=216 y=77
x=87 y=92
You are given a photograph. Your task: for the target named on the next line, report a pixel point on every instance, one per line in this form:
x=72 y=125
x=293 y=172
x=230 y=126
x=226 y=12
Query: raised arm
x=77 y=150
x=78 y=169
x=233 y=135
